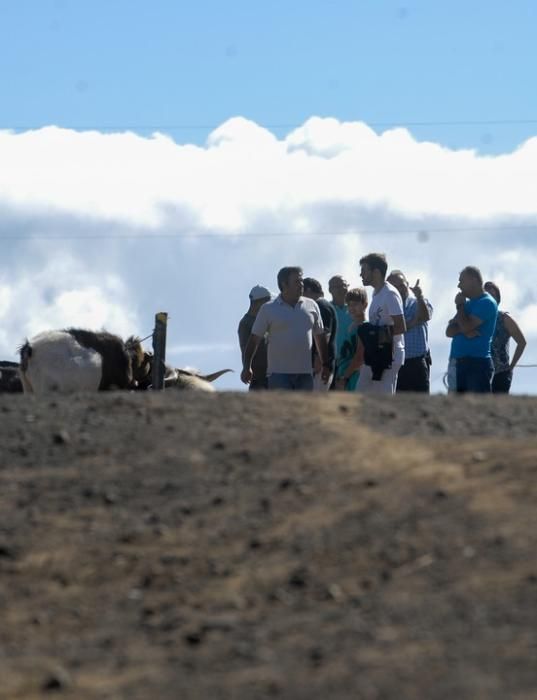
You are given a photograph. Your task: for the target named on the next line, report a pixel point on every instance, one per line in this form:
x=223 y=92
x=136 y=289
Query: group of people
x=299 y=340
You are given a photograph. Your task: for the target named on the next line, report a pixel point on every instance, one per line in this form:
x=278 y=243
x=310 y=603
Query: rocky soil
x=233 y=546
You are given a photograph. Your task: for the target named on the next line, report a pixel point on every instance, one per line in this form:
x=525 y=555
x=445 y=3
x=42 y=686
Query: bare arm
x=467 y=323
x=354 y=365
x=249 y=352
x=322 y=347
x=423 y=314
x=516 y=334
x=357 y=360
x=454 y=329
x=399 y=325
x=244 y=335
x=251 y=349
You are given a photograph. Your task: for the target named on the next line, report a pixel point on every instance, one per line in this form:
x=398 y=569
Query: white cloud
x=321 y=197
x=59 y=292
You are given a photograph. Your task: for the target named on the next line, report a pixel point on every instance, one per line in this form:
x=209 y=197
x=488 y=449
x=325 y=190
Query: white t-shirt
x=386 y=303
x=289 y=331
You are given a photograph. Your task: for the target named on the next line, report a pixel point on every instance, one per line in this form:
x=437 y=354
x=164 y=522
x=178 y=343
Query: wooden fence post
x=159 y=350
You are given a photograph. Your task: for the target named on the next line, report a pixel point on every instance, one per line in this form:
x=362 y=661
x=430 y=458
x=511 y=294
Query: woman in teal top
x=506 y=328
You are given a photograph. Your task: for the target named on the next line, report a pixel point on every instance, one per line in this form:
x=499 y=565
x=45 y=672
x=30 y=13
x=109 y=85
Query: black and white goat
x=74 y=360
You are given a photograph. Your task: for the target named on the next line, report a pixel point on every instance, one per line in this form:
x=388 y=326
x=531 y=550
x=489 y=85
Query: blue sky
x=172 y=63
x=296 y=133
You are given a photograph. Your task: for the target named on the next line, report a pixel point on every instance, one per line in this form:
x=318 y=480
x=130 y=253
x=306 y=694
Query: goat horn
x=214 y=375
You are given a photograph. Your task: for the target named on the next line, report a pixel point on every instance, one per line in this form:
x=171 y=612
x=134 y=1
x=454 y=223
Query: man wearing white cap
x=259 y=295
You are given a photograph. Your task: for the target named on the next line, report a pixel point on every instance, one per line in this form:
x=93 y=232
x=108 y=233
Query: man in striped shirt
x=414 y=373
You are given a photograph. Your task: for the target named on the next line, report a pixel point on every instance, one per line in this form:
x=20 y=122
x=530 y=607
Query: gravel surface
x=235 y=546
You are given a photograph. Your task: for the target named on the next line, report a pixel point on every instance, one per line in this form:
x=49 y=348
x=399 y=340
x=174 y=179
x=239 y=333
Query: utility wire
x=419 y=231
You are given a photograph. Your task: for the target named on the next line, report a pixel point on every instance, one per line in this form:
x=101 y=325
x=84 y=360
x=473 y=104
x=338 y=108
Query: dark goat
x=142 y=370
x=10 y=381
x=116 y=369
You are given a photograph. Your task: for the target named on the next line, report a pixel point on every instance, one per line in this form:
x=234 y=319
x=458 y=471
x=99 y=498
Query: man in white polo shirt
x=290 y=323
x=386 y=309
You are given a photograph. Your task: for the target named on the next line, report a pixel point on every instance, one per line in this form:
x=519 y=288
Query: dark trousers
x=501 y=382
x=414 y=375
x=258 y=384
x=474 y=374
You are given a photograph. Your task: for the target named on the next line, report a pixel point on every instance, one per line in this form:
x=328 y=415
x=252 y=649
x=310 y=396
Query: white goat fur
x=58 y=363
x=191 y=382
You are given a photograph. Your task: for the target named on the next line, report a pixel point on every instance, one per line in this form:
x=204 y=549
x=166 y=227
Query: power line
x=417 y=231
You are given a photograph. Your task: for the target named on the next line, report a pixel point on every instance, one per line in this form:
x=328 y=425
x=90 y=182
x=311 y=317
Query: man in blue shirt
x=471 y=331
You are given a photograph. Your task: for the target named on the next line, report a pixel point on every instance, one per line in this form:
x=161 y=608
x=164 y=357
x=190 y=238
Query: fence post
x=159 y=350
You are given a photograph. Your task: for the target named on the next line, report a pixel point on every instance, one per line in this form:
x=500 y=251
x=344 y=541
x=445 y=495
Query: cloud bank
x=104 y=230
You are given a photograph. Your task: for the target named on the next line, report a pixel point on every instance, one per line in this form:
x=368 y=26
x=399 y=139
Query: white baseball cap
x=259 y=292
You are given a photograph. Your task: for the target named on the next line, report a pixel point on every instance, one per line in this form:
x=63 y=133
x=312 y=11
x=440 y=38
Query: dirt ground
x=234 y=546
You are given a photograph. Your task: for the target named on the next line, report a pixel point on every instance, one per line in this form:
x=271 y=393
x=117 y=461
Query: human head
x=312 y=288
x=471 y=282
x=400 y=282
x=290 y=283
x=338 y=288
x=373 y=269
x=258 y=296
x=493 y=290
x=356 y=300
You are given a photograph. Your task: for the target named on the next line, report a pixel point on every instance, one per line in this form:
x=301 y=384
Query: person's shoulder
x=484 y=304
x=391 y=291
x=487 y=300
x=389 y=288
x=268 y=305
x=264 y=311
x=325 y=305
x=247 y=318
x=309 y=303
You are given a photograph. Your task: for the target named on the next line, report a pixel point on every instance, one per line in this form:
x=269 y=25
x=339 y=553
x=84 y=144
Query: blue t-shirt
x=485 y=308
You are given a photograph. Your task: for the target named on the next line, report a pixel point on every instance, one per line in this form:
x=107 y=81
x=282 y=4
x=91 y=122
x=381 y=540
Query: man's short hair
x=399 y=273
x=336 y=279
x=494 y=290
x=313 y=285
x=285 y=273
x=356 y=294
x=375 y=261
x=474 y=272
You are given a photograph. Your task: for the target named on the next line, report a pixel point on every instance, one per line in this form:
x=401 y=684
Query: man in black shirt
x=313 y=290
x=258 y=296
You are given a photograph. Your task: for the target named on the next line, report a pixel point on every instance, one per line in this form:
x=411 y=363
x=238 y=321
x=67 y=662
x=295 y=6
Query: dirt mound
x=269 y=546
